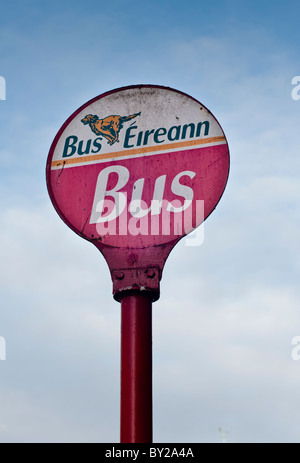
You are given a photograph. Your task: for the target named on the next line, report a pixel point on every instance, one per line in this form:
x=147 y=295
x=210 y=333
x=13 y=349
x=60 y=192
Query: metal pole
x=136 y=369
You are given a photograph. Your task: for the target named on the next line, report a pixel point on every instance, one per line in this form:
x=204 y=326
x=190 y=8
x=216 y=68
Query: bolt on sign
x=133 y=171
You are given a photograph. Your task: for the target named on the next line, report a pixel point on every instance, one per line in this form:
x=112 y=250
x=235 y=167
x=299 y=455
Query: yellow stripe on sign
x=137 y=151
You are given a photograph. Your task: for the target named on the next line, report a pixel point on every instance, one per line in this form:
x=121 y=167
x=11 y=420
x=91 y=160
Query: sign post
x=133 y=171
x=136 y=369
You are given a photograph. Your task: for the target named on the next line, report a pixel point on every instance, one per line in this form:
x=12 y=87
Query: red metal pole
x=136 y=369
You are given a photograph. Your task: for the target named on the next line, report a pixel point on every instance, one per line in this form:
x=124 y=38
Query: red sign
x=136 y=169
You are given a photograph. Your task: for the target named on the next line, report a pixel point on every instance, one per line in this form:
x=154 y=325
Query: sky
x=229 y=309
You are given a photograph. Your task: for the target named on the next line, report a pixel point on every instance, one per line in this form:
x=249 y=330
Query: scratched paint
x=138 y=145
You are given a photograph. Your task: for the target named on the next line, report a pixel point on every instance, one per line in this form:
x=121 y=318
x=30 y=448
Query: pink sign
x=137 y=168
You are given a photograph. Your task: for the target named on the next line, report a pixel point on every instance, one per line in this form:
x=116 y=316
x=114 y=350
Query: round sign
x=138 y=167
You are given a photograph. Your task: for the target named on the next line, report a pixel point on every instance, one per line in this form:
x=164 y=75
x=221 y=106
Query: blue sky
x=228 y=311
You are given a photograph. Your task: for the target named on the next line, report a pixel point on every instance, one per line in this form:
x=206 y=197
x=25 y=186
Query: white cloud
x=226 y=362
x=228 y=309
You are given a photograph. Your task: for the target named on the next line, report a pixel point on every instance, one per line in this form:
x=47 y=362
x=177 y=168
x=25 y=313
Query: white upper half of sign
x=133 y=122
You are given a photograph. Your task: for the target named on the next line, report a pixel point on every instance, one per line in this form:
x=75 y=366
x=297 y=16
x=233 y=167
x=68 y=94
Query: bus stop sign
x=133 y=171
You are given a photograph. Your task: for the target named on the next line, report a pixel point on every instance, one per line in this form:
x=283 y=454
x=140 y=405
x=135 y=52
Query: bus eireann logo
x=109 y=127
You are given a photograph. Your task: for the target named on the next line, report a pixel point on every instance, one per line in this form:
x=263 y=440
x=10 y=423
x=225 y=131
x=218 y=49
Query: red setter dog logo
x=109 y=127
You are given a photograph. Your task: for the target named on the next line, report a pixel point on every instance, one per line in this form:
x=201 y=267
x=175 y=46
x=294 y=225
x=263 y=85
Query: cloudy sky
x=229 y=309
